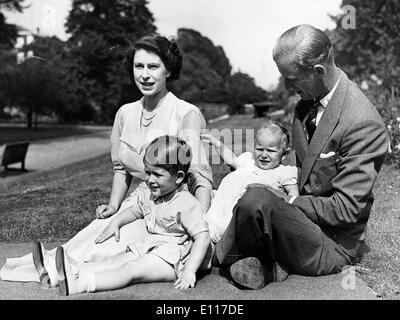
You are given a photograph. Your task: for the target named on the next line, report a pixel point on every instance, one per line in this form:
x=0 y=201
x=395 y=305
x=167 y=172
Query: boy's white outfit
x=166 y=222
x=234 y=185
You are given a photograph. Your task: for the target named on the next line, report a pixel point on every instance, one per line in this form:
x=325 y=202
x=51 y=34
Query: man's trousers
x=265 y=226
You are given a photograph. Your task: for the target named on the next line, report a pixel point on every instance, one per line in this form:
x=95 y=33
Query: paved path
x=210 y=287
x=45 y=155
x=57 y=153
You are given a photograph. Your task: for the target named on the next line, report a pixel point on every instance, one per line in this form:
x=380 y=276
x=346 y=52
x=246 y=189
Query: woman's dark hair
x=167 y=50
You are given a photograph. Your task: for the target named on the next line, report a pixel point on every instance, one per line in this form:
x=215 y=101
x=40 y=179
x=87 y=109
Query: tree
x=285 y=97
x=100 y=31
x=41 y=85
x=206 y=74
x=242 y=89
x=7 y=65
x=370 y=54
x=8 y=35
x=8 y=32
x=70 y=102
x=31 y=89
x=205 y=69
x=371 y=51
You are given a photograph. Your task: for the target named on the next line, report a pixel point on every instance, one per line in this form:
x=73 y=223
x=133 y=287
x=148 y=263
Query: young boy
x=169 y=212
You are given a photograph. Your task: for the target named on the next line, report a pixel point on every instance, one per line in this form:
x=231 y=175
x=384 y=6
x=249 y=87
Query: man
x=340 y=143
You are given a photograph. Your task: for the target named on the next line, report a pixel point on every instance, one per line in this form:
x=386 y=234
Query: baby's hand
x=210 y=139
x=186 y=279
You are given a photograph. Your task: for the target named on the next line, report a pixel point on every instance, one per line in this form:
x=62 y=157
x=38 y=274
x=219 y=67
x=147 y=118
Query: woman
x=154 y=61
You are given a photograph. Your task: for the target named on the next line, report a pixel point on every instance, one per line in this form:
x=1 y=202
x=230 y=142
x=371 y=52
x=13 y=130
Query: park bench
x=262 y=108
x=13 y=153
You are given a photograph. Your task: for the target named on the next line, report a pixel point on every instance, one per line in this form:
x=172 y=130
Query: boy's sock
x=50 y=264
x=71 y=281
x=86 y=282
x=45 y=265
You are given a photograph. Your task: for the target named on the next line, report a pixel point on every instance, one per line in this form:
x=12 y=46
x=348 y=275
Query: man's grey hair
x=305 y=46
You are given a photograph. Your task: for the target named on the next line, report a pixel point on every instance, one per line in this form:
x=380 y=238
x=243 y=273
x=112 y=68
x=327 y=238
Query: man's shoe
x=279 y=273
x=250 y=273
x=38 y=261
x=67 y=274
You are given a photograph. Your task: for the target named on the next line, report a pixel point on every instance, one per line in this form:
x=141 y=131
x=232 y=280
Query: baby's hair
x=276 y=127
x=169 y=152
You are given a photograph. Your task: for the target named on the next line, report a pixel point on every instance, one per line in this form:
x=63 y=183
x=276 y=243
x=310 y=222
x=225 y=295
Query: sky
x=246 y=29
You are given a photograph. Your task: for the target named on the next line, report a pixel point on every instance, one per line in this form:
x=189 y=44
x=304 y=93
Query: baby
x=263 y=166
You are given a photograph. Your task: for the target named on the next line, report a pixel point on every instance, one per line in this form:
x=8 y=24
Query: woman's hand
x=186 y=279
x=111 y=230
x=104 y=211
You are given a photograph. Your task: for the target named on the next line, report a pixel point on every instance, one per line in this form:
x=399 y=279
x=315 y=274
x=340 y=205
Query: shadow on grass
x=13 y=172
x=10 y=133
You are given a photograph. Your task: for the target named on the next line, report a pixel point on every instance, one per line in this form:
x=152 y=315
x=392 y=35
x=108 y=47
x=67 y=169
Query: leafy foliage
x=372 y=48
x=12 y=5
x=70 y=101
x=45 y=84
x=8 y=32
x=241 y=90
x=100 y=30
x=370 y=54
x=206 y=74
x=204 y=71
x=38 y=84
x=82 y=79
x=7 y=65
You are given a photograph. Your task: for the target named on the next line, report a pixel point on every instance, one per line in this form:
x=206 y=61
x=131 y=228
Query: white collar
x=325 y=100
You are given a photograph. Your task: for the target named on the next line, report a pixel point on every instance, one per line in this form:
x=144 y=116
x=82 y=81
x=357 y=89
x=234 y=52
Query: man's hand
x=186 y=279
x=111 y=230
x=104 y=211
x=278 y=193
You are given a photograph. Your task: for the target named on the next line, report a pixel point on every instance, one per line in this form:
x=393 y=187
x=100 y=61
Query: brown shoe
x=279 y=273
x=67 y=274
x=38 y=261
x=250 y=273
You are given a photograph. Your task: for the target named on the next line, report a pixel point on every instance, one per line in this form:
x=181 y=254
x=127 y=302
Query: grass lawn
x=54 y=205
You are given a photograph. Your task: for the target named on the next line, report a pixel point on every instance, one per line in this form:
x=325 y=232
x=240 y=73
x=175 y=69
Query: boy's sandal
x=61 y=271
x=38 y=261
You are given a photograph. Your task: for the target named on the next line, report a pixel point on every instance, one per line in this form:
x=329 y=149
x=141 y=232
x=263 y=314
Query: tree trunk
x=35 y=121
x=29 y=117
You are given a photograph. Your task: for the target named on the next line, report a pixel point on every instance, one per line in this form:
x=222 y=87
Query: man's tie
x=311 y=122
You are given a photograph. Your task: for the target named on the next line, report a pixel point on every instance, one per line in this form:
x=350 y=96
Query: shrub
x=393 y=126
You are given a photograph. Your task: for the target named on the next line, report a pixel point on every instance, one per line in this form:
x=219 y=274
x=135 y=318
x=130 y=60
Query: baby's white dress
x=234 y=185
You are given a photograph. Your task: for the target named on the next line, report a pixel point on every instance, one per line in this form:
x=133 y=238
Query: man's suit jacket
x=340 y=165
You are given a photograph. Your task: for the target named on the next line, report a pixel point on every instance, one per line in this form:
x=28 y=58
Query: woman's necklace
x=151 y=116
x=146 y=120
x=147 y=117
